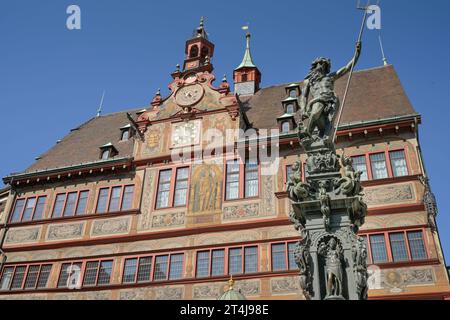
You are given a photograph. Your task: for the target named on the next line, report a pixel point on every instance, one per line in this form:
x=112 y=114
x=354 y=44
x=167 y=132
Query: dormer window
x=108 y=151
x=286 y=123
x=290 y=105
x=125 y=133
x=105 y=154
x=293 y=90
x=290 y=108
x=285 y=127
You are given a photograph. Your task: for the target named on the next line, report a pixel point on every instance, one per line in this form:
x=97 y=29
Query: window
x=70 y=275
x=398 y=247
x=211 y=263
x=176 y=266
x=105 y=154
x=283 y=256
x=417 y=245
x=137 y=270
x=30 y=277
x=378 y=249
x=115 y=199
x=404 y=246
x=293 y=93
x=232 y=185
x=125 y=135
x=279 y=257
x=70 y=204
x=97 y=273
x=250 y=259
x=291 y=256
x=398 y=162
x=194 y=51
x=213 y=267
x=30 y=209
x=251 y=179
x=181 y=187
x=167 y=197
x=359 y=164
x=160 y=272
x=285 y=127
x=289 y=172
x=202 y=264
x=238 y=173
x=235 y=261
x=290 y=108
x=218 y=262
x=168 y=267
x=244 y=77
x=379 y=168
x=82 y=202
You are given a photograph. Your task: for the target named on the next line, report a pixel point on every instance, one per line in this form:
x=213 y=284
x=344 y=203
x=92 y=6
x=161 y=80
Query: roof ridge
x=119 y=112
x=301 y=81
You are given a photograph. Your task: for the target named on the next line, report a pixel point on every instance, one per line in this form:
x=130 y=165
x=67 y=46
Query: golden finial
x=231 y=283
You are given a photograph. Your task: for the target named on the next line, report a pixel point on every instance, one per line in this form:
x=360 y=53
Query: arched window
x=105 y=154
x=205 y=52
x=194 y=51
x=293 y=93
x=285 y=127
x=290 y=108
x=244 y=77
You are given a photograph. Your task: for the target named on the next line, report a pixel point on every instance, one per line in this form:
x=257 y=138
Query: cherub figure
x=350 y=183
x=296 y=188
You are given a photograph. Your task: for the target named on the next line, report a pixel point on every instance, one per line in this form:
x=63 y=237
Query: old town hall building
x=109 y=213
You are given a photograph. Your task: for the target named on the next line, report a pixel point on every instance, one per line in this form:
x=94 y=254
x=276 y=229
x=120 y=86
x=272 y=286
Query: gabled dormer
x=108 y=151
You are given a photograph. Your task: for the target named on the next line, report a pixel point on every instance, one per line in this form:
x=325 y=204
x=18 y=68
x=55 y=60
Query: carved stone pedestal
x=330 y=258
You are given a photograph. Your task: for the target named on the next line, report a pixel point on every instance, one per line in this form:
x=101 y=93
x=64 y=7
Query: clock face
x=190 y=95
x=185 y=134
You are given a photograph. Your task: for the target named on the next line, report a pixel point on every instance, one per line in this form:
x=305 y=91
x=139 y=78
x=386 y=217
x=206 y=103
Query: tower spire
x=247 y=61
x=247 y=77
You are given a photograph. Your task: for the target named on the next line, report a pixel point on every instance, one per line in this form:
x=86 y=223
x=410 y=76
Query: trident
x=344 y=99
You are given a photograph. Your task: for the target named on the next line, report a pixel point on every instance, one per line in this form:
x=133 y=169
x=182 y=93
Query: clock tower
x=199 y=51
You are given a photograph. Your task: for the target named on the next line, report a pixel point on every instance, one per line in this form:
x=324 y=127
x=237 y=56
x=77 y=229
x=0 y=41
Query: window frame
x=83 y=272
x=288 y=123
x=389 y=168
x=173 y=184
x=226 y=260
x=25 y=276
x=286 y=255
x=152 y=270
x=388 y=245
x=63 y=208
x=241 y=181
x=108 y=202
x=123 y=132
x=26 y=199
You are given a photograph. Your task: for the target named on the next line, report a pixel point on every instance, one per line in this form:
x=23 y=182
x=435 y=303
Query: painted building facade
x=151 y=204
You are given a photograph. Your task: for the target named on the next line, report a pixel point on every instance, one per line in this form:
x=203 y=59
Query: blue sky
x=52 y=79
